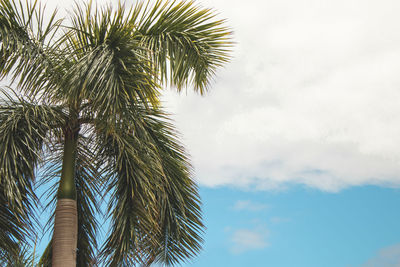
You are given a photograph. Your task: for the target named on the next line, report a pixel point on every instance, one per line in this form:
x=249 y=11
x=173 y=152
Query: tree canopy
x=96 y=77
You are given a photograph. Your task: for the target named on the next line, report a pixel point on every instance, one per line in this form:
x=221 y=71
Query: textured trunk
x=66 y=219
x=65 y=234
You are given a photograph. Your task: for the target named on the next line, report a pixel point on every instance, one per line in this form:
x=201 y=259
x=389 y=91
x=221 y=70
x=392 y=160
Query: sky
x=296 y=146
x=301 y=227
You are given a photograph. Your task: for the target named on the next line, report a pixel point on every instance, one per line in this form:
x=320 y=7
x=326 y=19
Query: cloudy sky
x=311 y=97
x=308 y=108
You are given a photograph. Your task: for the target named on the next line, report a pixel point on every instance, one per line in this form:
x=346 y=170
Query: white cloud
x=245 y=240
x=249 y=205
x=386 y=257
x=311 y=97
x=279 y=220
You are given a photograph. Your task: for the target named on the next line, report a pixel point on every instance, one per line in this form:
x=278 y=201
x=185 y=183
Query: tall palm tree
x=86 y=108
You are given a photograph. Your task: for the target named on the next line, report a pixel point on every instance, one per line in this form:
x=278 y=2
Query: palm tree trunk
x=66 y=218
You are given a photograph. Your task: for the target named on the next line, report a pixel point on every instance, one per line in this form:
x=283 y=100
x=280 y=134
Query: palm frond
x=87 y=181
x=184 y=42
x=25 y=44
x=178 y=202
x=155 y=205
x=13 y=231
x=23 y=257
x=128 y=172
x=23 y=130
x=109 y=70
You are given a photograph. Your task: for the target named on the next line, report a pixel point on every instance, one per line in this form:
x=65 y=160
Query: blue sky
x=297 y=145
x=300 y=227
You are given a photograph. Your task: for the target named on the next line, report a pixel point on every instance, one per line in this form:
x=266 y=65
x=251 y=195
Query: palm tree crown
x=86 y=109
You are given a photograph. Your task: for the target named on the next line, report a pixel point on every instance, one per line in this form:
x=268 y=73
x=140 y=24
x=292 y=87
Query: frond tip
x=184 y=41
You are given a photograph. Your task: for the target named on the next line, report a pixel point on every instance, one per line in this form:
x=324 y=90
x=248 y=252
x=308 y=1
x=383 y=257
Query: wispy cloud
x=249 y=205
x=248 y=239
x=386 y=257
x=278 y=220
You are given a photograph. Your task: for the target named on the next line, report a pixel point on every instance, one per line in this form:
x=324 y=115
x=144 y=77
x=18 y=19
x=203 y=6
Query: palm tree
x=86 y=109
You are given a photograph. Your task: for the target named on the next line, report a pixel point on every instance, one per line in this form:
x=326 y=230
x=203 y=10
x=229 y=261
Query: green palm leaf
x=22 y=258
x=155 y=204
x=183 y=41
x=109 y=70
x=128 y=172
x=22 y=52
x=24 y=128
x=179 y=202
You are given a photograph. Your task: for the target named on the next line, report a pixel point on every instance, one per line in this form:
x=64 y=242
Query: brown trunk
x=65 y=234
